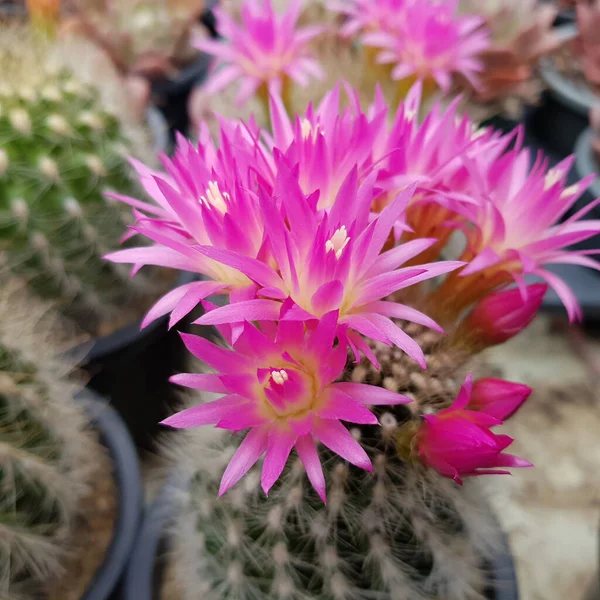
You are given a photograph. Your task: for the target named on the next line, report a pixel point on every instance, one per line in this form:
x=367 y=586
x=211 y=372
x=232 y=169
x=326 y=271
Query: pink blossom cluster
x=307 y=230
x=262 y=51
x=422 y=39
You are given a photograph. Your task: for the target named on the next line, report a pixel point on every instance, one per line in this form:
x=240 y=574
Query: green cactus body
x=47 y=453
x=59 y=153
x=401 y=533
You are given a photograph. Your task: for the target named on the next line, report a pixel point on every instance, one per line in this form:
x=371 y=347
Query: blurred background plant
x=145 y=39
x=521 y=31
x=62 y=147
x=50 y=458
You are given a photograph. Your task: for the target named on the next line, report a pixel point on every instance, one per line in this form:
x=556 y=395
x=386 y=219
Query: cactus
x=59 y=152
x=404 y=533
x=521 y=32
x=587 y=43
x=142 y=37
x=47 y=453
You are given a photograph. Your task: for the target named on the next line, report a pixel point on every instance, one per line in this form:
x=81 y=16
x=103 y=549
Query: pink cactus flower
x=328 y=142
x=278 y=382
x=498 y=398
x=369 y=15
x=264 y=50
x=332 y=261
x=432 y=42
x=502 y=315
x=203 y=198
x=518 y=229
x=458 y=442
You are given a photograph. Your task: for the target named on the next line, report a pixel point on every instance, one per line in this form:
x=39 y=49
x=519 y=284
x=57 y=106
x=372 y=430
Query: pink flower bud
x=457 y=441
x=503 y=315
x=498 y=398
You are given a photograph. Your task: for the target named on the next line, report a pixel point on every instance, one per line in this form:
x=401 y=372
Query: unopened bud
x=498 y=398
x=502 y=315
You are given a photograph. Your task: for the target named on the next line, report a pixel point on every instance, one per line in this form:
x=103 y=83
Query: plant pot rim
x=586 y=163
x=125 y=336
x=115 y=437
x=575 y=98
x=159 y=130
x=139 y=580
x=188 y=75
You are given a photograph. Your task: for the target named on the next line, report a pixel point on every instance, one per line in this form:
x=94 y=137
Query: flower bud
x=502 y=315
x=498 y=398
x=458 y=442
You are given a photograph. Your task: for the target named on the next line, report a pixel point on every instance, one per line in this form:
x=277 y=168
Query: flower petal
x=250 y=450
x=204 y=414
x=339 y=405
x=372 y=395
x=339 y=440
x=280 y=444
x=305 y=446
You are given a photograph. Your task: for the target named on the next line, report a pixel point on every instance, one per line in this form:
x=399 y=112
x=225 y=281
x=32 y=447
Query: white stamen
x=478 y=132
x=280 y=377
x=306 y=129
x=572 y=190
x=339 y=240
x=409 y=114
x=552 y=176
x=215 y=198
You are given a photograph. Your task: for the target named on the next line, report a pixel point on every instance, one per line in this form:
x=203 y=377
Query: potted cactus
x=520 y=33
x=336 y=465
x=63 y=148
x=571 y=75
x=148 y=41
x=69 y=472
x=487 y=51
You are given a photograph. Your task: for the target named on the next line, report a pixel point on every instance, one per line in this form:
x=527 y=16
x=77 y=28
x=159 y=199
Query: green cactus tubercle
x=59 y=153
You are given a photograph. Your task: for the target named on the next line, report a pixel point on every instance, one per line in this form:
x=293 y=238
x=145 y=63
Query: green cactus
x=47 y=453
x=60 y=151
x=404 y=533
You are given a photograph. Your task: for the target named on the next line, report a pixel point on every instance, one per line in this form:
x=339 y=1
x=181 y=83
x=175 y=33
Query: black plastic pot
x=121 y=451
x=171 y=95
x=131 y=369
x=563 y=112
x=565 y=16
x=143 y=579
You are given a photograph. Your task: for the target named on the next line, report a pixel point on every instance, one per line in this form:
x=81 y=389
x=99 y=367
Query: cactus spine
x=47 y=454
x=60 y=150
x=402 y=533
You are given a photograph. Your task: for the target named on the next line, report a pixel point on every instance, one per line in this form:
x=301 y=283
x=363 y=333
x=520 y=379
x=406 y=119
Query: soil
x=92 y=535
x=171 y=588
